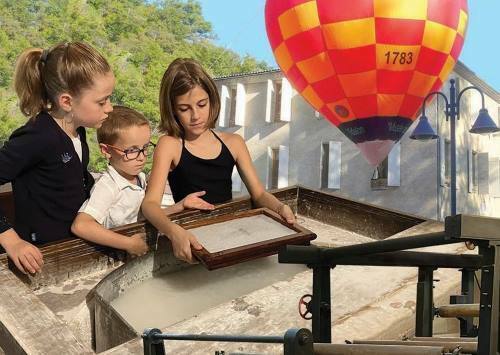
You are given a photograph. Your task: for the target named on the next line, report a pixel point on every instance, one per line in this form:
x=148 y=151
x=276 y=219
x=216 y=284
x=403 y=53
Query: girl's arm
x=25 y=148
x=86 y=227
x=25 y=256
x=181 y=239
x=248 y=174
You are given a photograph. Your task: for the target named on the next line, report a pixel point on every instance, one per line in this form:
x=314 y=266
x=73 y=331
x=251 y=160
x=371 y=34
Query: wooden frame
x=250 y=251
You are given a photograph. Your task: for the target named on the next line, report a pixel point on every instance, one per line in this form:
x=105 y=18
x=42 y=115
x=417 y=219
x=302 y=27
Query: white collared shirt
x=114 y=201
x=78 y=146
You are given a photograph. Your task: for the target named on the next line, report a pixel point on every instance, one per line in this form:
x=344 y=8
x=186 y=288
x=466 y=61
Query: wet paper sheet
x=239 y=232
x=245 y=235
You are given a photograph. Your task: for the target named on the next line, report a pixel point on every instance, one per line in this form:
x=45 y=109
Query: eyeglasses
x=133 y=153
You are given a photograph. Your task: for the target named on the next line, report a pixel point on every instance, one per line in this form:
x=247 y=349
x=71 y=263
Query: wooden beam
x=458 y=310
x=28 y=326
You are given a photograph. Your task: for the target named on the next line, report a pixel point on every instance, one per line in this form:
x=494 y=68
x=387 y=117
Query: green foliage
x=10 y=118
x=139 y=38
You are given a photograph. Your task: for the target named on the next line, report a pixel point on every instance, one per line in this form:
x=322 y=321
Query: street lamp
x=484 y=125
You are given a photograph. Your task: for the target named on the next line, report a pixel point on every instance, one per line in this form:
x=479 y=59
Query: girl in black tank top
x=193 y=174
x=189 y=107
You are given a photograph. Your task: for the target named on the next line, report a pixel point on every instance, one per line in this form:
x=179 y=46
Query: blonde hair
x=41 y=75
x=118 y=120
x=181 y=76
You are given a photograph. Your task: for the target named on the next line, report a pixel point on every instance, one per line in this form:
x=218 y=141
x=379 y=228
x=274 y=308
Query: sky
x=239 y=25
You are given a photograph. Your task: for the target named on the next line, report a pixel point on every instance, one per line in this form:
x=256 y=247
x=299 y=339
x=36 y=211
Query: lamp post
x=484 y=124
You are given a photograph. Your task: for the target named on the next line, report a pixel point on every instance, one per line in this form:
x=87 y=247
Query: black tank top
x=194 y=174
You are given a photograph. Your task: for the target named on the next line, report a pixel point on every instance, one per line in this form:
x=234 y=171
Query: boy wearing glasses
x=115 y=199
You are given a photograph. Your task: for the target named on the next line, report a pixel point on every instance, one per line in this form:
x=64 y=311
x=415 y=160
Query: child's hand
x=137 y=245
x=194 y=201
x=286 y=213
x=182 y=242
x=25 y=256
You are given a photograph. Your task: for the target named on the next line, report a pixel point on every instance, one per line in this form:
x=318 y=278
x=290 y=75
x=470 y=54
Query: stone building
x=290 y=144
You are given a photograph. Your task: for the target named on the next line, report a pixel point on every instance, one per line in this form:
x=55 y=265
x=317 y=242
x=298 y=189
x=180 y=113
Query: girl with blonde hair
x=62 y=90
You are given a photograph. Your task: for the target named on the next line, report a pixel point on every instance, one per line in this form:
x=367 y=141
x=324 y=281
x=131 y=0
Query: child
x=116 y=197
x=197 y=157
x=62 y=89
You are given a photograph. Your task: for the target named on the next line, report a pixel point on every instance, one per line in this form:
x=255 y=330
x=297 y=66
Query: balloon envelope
x=367 y=65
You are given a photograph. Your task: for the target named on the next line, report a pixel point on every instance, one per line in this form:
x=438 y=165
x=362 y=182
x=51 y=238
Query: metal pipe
x=362 y=349
x=424 y=308
x=453 y=147
x=295 y=341
x=466 y=346
x=321 y=308
x=446 y=340
x=467 y=327
x=226 y=338
x=458 y=310
x=413 y=259
x=387 y=245
x=299 y=254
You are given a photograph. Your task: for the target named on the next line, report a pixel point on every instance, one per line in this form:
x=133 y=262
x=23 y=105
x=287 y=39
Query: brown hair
x=41 y=75
x=181 y=76
x=120 y=119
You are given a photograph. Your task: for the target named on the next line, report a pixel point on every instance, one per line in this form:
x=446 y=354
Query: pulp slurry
x=167 y=299
x=172 y=297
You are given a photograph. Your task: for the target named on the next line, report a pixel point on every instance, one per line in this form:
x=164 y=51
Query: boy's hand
x=182 y=242
x=137 y=245
x=25 y=256
x=286 y=213
x=194 y=201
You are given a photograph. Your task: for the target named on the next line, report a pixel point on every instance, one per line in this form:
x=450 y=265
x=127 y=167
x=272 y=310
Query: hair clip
x=44 y=55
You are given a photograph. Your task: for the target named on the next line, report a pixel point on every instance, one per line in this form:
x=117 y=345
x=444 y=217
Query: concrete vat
x=68 y=307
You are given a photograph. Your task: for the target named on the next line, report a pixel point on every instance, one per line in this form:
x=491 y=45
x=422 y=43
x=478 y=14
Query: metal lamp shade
x=423 y=131
x=484 y=124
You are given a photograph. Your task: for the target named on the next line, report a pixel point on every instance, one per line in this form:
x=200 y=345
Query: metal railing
x=481 y=231
x=295 y=341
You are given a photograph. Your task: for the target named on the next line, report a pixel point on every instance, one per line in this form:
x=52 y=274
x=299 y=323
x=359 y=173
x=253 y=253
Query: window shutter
x=470 y=170
x=286 y=101
x=269 y=101
x=236 y=180
x=494 y=172
x=483 y=173
x=225 y=106
x=324 y=164
x=269 y=171
x=240 y=105
x=334 y=165
x=283 y=167
x=394 y=168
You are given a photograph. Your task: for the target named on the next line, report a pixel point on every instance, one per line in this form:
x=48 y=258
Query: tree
x=139 y=38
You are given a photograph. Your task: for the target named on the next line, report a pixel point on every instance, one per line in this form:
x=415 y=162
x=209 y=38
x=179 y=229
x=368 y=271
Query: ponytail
x=42 y=75
x=28 y=82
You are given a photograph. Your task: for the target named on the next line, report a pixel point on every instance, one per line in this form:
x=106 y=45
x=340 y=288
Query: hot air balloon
x=366 y=65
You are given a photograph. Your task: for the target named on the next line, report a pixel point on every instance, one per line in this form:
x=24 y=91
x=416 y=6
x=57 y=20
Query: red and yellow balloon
x=366 y=65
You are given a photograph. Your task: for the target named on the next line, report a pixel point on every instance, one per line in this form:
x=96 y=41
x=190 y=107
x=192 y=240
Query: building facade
x=290 y=143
